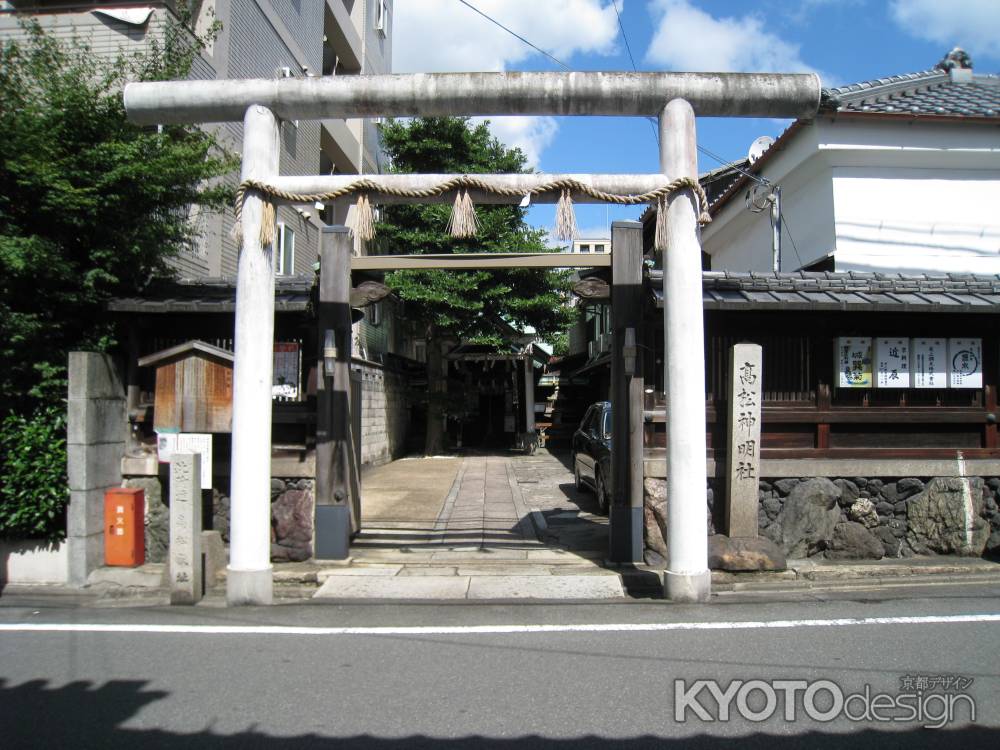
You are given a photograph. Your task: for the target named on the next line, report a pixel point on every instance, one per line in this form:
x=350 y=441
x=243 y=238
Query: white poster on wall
x=930 y=363
x=966 y=363
x=892 y=363
x=854 y=362
x=285 y=377
x=168 y=443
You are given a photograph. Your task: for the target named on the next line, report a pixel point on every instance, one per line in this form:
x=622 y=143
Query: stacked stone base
x=292 y=504
x=852 y=518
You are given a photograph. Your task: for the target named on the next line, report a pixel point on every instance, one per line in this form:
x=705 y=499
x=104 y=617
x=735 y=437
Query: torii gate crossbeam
x=675 y=98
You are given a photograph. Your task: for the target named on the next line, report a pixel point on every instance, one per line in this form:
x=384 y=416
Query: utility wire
x=786 y=225
x=470 y=6
x=749 y=175
x=653 y=122
x=628 y=48
x=624 y=35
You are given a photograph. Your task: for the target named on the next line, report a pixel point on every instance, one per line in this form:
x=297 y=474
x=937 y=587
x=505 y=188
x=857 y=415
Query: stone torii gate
x=674 y=98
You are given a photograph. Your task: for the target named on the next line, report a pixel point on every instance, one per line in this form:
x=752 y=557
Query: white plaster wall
x=740 y=240
x=917 y=220
x=913 y=196
x=33 y=562
x=888 y=195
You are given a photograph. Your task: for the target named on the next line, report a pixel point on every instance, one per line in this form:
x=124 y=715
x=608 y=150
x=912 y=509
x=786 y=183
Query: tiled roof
x=940 y=92
x=831 y=291
x=212 y=295
x=932 y=92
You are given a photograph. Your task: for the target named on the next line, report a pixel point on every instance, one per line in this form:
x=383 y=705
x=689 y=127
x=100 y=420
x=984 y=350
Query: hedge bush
x=33 y=485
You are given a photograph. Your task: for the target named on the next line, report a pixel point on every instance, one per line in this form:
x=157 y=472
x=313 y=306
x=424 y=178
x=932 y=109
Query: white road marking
x=489 y=629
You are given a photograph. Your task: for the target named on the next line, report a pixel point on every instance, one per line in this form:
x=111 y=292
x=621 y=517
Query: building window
x=381 y=16
x=584 y=248
x=375 y=313
x=285 y=262
x=598 y=248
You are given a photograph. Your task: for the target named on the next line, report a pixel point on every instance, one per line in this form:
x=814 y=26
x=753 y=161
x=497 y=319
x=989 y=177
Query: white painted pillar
x=687 y=577
x=249 y=579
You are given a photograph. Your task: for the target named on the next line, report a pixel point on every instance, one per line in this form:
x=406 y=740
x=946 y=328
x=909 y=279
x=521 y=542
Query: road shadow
x=84 y=715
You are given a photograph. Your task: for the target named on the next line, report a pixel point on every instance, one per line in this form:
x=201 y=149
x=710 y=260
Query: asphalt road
x=499 y=676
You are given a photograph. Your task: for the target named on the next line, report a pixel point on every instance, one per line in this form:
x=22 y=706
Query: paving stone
x=512 y=569
x=385 y=571
x=546 y=587
x=504 y=554
x=397 y=587
x=435 y=570
x=150 y=575
x=581 y=570
x=393 y=555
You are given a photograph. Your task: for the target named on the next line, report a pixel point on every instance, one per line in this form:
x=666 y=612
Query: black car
x=592 y=453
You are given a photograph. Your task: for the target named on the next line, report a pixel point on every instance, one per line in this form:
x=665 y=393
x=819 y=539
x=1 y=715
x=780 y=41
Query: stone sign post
x=743 y=454
x=185 y=529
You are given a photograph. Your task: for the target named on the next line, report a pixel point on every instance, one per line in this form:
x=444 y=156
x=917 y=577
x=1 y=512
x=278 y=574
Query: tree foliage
x=91 y=205
x=477 y=306
x=468 y=304
x=33 y=467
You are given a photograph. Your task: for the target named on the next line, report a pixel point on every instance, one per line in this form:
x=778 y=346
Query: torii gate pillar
x=249 y=577
x=687 y=577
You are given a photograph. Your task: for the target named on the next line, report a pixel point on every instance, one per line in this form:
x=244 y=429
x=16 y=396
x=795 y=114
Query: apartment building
x=258 y=39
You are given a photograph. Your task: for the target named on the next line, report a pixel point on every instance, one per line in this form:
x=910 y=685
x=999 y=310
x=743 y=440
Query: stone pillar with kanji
x=185 y=529
x=743 y=445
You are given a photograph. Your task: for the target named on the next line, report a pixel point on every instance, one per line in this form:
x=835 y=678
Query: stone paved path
x=483 y=510
x=509 y=527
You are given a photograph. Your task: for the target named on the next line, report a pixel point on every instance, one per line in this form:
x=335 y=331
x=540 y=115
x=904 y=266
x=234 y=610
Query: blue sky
x=845 y=41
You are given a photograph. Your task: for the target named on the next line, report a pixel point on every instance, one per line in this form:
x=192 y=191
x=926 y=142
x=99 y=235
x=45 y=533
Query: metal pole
x=687 y=577
x=441 y=94
x=776 y=227
x=331 y=539
x=249 y=579
x=625 y=544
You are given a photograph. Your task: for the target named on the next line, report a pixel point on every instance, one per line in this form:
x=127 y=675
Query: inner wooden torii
x=673 y=98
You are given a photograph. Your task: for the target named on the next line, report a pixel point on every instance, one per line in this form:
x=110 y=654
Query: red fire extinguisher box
x=124 y=527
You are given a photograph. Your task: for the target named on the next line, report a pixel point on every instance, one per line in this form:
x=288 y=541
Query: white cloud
x=688 y=38
x=973 y=25
x=445 y=36
x=803 y=11
x=531 y=134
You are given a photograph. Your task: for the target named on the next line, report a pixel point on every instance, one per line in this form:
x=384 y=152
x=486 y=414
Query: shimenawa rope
x=463 y=221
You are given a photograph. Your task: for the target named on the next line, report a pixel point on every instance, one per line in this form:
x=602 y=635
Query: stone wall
x=385 y=414
x=292 y=506
x=857 y=517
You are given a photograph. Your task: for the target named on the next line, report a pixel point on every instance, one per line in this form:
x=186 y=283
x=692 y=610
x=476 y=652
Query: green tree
x=90 y=206
x=471 y=305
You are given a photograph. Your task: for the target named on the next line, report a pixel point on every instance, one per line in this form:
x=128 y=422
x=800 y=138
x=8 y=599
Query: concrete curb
x=809 y=575
x=301 y=581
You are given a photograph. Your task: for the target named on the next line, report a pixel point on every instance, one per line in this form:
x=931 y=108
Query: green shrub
x=33 y=486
